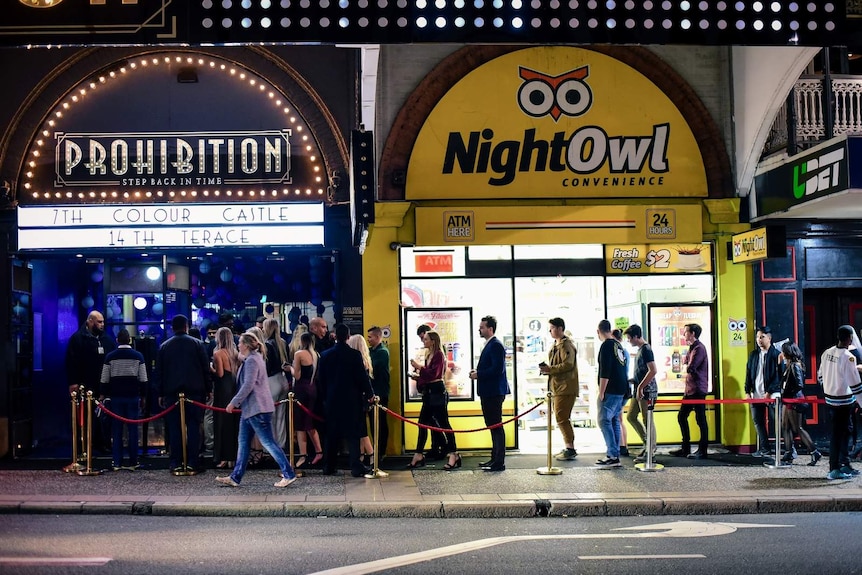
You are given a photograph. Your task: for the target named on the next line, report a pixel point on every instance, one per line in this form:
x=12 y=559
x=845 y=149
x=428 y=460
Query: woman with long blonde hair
x=255 y=403
x=358 y=343
x=304 y=371
x=225 y=366
x=276 y=364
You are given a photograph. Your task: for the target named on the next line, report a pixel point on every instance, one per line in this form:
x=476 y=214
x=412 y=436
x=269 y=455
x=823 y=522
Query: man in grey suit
x=492 y=387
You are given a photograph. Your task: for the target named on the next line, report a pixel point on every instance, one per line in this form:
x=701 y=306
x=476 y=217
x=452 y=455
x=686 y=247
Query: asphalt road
x=762 y=544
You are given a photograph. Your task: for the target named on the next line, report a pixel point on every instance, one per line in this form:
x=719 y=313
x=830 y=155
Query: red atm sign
x=434 y=263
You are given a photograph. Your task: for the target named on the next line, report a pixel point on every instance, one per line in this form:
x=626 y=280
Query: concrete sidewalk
x=725 y=483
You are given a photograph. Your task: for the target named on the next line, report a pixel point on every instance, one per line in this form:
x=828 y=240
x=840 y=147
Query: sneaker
x=679 y=452
x=284 y=482
x=847 y=470
x=134 y=467
x=642 y=454
x=116 y=467
x=567 y=454
x=624 y=452
x=609 y=462
x=836 y=474
x=761 y=453
x=229 y=481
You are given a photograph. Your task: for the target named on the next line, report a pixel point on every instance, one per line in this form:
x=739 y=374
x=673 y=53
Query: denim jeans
x=260 y=425
x=126 y=407
x=759 y=414
x=610 y=412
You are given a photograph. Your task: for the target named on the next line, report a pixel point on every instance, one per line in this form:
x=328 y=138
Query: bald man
x=85 y=356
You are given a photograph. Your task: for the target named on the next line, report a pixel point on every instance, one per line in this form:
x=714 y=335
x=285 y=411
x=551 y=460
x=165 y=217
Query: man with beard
x=85 y=356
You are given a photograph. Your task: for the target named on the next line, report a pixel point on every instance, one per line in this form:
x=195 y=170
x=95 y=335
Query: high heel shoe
x=222 y=465
x=815 y=457
x=450 y=465
x=416 y=463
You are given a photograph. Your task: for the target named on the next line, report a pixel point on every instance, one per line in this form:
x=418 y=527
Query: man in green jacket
x=562 y=372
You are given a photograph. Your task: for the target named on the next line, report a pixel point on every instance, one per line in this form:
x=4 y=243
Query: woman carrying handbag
x=435 y=411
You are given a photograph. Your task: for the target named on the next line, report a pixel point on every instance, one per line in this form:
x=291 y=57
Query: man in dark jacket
x=85 y=356
x=492 y=386
x=762 y=381
x=380 y=367
x=346 y=392
x=182 y=367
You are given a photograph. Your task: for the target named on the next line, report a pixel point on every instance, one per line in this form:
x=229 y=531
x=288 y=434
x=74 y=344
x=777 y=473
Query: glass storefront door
x=580 y=302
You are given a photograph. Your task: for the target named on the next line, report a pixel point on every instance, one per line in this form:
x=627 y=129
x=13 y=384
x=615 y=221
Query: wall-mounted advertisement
x=455 y=327
x=667 y=336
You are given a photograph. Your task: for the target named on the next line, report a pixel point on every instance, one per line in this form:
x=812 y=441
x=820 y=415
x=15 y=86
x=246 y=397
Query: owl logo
x=736 y=324
x=543 y=95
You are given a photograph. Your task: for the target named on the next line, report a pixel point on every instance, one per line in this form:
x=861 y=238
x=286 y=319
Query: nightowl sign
x=172 y=159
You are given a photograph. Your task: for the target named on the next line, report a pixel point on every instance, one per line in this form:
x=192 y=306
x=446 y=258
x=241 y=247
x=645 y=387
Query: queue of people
x=246 y=375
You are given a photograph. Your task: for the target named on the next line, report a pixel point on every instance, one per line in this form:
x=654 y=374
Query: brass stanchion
x=777 y=463
x=650 y=465
x=549 y=469
x=89 y=470
x=375 y=473
x=184 y=469
x=291 y=430
x=76 y=463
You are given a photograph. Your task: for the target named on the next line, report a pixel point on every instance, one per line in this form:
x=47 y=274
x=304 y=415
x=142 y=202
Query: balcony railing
x=805 y=114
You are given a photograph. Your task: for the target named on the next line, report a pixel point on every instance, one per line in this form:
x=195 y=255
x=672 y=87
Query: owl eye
x=742 y=325
x=732 y=325
x=574 y=97
x=536 y=98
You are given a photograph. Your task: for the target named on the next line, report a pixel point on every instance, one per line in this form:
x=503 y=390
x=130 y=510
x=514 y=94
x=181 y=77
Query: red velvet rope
x=737 y=401
x=440 y=429
x=144 y=420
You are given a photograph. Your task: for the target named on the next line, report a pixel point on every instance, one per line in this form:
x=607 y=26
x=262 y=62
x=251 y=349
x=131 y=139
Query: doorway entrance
x=580 y=302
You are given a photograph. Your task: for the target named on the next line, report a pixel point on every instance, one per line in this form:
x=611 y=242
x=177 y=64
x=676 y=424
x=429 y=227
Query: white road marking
x=658 y=530
x=607 y=557
x=55 y=561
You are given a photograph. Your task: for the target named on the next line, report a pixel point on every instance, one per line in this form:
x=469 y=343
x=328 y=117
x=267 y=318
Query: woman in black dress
x=225 y=425
x=304 y=370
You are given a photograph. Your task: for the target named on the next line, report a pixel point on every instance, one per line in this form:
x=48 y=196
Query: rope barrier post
x=184 y=469
x=549 y=469
x=777 y=463
x=291 y=431
x=650 y=465
x=76 y=464
x=89 y=471
x=375 y=473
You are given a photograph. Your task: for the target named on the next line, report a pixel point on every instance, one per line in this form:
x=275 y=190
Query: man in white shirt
x=841 y=387
x=762 y=380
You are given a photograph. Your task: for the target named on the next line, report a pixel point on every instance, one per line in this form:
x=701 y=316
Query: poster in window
x=455 y=328
x=667 y=337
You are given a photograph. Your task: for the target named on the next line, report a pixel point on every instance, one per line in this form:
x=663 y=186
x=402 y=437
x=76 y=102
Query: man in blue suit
x=492 y=387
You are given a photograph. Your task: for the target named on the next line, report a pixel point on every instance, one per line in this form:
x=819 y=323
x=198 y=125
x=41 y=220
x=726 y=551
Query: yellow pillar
x=381 y=296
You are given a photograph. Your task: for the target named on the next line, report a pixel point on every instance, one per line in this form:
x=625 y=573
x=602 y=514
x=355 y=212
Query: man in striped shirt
x=124 y=380
x=841 y=387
